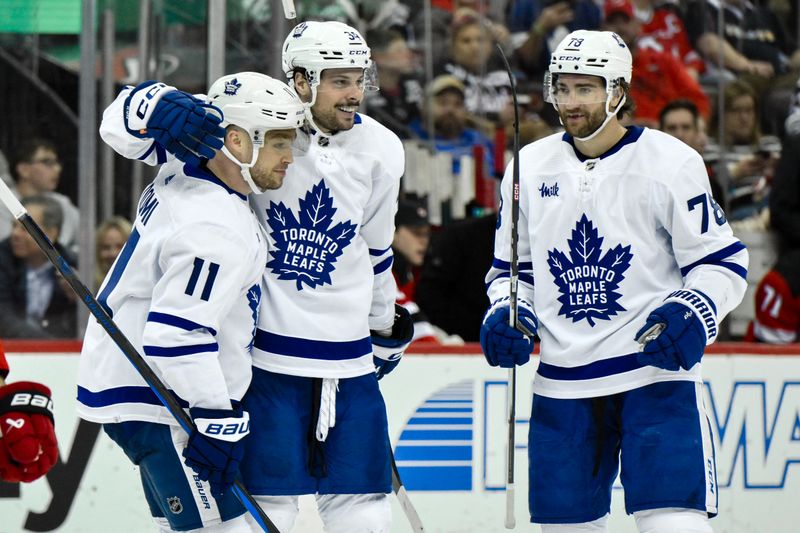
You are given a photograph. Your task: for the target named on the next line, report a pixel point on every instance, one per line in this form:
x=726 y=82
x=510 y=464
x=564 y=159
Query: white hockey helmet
x=592 y=53
x=316 y=46
x=256 y=103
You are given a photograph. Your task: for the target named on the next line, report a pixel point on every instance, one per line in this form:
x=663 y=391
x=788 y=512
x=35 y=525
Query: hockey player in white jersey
x=186 y=291
x=626 y=267
x=330 y=327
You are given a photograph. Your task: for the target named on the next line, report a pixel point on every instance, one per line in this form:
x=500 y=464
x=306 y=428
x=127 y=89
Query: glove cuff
x=522 y=304
x=227 y=425
x=140 y=103
x=26 y=397
x=702 y=308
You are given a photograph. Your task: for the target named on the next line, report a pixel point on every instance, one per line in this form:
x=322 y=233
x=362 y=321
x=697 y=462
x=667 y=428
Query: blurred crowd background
x=721 y=75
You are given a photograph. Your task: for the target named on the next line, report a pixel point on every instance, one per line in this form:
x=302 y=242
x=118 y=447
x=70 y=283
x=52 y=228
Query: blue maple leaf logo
x=307 y=247
x=587 y=282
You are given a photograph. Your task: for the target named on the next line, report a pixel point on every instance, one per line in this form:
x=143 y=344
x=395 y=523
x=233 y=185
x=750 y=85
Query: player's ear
x=302 y=86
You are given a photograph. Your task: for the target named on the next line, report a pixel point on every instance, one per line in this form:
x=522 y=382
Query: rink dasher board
x=447 y=424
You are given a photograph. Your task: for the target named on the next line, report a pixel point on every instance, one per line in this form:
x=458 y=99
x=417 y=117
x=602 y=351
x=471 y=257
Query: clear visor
x=574 y=93
x=367 y=83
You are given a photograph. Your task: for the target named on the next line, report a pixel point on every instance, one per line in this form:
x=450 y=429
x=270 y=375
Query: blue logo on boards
x=437 y=446
x=306 y=249
x=588 y=282
x=232 y=86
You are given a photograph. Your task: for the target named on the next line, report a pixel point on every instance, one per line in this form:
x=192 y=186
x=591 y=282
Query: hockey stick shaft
x=405 y=501
x=513 y=318
x=288 y=9
x=108 y=324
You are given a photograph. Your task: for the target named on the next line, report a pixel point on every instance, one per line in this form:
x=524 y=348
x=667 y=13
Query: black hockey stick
x=402 y=497
x=510 y=520
x=20 y=213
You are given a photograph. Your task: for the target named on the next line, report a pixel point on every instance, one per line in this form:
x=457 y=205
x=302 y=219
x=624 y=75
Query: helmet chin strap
x=609 y=114
x=310 y=114
x=244 y=168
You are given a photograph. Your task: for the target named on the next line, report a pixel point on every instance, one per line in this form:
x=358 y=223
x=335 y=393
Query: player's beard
x=266 y=179
x=330 y=120
x=592 y=120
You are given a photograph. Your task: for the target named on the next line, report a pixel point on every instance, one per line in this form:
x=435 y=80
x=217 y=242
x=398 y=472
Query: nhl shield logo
x=175 y=505
x=587 y=279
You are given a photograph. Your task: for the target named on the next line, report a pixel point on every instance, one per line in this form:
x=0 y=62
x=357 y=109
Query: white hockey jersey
x=329 y=275
x=330 y=228
x=185 y=290
x=602 y=242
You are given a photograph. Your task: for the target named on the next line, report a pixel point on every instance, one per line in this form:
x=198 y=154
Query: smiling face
x=581 y=103
x=339 y=94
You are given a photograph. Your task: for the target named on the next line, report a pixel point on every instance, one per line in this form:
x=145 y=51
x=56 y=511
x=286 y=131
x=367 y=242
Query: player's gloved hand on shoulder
x=674 y=336
x=387 y=349
x=183 y=125
x=28 y=446
x=216 y=446
x=502 y=344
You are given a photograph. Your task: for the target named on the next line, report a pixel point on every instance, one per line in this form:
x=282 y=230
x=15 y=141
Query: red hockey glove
x=28 y=447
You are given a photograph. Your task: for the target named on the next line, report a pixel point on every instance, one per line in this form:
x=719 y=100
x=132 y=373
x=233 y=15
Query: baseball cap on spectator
x=444 y=82
x=411 y=213
x=618 y=7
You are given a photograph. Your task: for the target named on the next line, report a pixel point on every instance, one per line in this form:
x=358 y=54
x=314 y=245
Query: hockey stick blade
x=288 y=9
x=405 y=501
x=119 y=338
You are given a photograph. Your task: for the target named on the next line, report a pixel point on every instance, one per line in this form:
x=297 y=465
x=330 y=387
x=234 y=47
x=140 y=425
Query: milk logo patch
x=307 y=246
x=588 y=279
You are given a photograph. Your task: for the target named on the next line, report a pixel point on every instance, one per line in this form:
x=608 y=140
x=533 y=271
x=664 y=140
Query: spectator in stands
x=749 y=159
x=444 y=107
x=662 y=22
x=398 y=101
x=110 y=238
x=754 y=41
x=411 y=237
x=451 y=289
x=681 y=119
x=38 y=169
x=34 y=300
x=473 y=61
x=535 y=25
x=660 y=77
x=442 y=14
x=777 y=310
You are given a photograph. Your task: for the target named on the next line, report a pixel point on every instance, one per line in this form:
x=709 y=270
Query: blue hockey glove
x=387 y=350
x=216 y=446
x=503 y=345
x=182 y=124
x=674 y=336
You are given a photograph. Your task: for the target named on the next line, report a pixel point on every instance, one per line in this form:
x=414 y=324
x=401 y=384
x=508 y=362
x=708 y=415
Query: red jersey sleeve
x=3 y=363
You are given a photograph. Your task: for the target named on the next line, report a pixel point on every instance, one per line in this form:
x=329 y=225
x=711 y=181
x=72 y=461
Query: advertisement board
x=447 y=416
